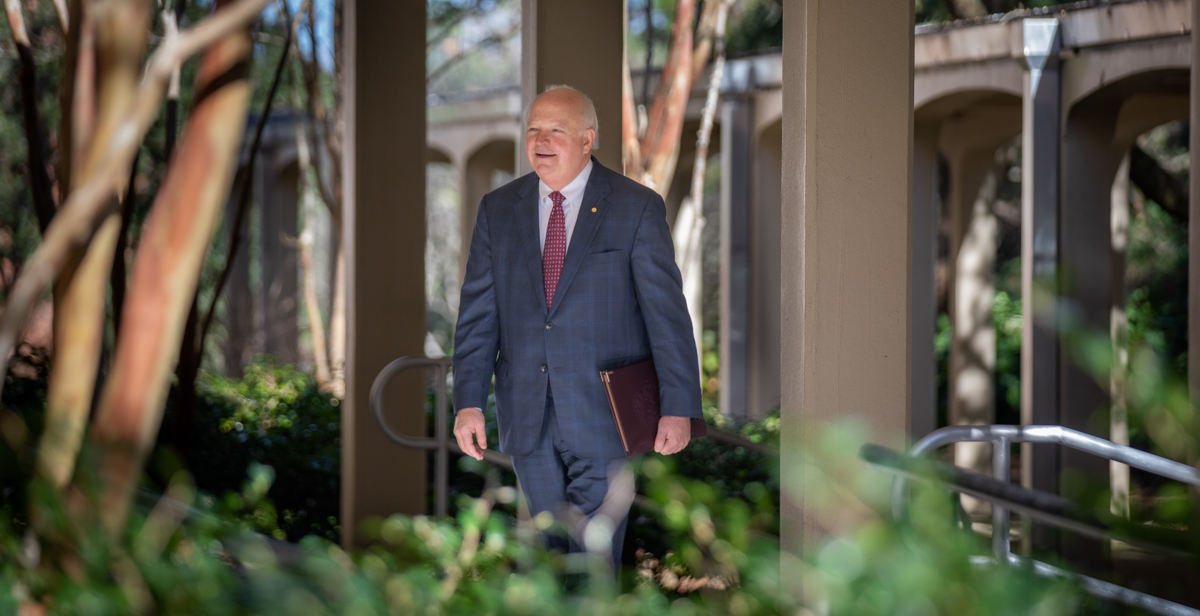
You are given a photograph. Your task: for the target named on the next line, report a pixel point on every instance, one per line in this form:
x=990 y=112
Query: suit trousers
x=556 y=481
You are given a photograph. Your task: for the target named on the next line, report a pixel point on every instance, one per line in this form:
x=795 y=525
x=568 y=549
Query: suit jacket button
x=549 y=326
x=543 y=367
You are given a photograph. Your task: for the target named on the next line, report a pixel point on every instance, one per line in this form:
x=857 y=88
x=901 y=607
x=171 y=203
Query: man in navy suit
x=571 y=271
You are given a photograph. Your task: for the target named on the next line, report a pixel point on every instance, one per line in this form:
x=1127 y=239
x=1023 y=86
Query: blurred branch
x=64 y=15
x=490 y=41
x=315 y=109
x=35 y=133
x=307 y=74
x=449 y=20
x=76 y=96
x=87 y=206
x=706 y=32
x=689 y=257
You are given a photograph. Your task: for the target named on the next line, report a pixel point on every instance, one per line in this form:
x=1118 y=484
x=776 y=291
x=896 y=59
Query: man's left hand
x=673 y=434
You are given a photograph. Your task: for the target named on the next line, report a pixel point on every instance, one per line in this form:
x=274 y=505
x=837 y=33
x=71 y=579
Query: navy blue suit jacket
x=619 y=300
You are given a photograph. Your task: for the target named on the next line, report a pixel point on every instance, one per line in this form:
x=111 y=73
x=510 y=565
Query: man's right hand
x=467 y=423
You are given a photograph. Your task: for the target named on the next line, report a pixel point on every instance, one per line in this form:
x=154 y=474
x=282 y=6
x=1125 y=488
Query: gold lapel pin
x=593 y=209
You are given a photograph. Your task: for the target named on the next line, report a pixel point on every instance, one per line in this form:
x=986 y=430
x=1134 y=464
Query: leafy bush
x=722 y=559
x=275 y=416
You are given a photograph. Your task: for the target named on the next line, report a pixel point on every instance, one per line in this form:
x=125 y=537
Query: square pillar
x=384 y=234
x=847 y=224
x=736 y=155
x=582 y=45
x=279 y=286
x=923 y=304
x=1041 y=111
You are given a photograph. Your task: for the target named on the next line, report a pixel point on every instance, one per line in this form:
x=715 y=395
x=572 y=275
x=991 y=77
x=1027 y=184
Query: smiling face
x=556 y=143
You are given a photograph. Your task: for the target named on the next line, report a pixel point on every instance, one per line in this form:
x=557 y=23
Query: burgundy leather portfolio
x=633 y=396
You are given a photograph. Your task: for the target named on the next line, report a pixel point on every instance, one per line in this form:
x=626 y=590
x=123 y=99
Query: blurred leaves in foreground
x=189 y=553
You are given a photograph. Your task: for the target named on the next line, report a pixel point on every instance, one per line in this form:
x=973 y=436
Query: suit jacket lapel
x=527 y=217
x=586 y=226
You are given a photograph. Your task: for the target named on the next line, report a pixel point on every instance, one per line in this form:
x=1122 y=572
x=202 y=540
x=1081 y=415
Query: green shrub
x=276 y=416
x=722 y=559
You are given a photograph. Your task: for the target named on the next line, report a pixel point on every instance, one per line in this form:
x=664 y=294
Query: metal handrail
x=1001 y=437
x=443 y=444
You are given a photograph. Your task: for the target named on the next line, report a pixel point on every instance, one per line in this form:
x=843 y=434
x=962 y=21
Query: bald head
x=560 y=134
x=570 y=96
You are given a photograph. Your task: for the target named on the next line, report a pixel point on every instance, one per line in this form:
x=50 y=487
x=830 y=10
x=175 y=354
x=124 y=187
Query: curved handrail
x=418 y=442
x=1001 y=437
x=1057 y=435
x=380 y=383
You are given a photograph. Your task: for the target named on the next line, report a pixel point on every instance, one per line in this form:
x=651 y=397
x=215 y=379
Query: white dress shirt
x=573 y=194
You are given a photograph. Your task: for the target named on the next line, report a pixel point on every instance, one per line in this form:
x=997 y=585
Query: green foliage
x=723 y=559
x=755 y=26
x=274 y=416
x=941 y=349
x=1008 y=323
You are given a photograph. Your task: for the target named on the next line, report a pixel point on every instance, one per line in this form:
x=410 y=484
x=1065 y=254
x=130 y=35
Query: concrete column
x=923 y=306
x=1086 y=277
x=847 y=191
x=969 y=140
x=280 y=275
x=972 y=366
x=384 y=231
x=580 y=44
x=763 y=348
x=736 y=152
x=1041 y=108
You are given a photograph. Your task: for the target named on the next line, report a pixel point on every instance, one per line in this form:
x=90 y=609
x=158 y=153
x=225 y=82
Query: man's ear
x=589 y=139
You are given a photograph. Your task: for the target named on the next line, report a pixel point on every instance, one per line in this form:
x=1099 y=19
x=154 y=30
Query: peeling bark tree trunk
x=81 y=289
x=171 y=251
x=195 y=332
x=689 y=226
x=651 y=160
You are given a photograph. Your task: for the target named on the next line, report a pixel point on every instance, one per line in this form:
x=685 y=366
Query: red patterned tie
x=555 y=249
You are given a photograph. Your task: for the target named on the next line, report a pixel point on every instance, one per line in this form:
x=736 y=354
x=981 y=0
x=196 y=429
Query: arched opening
x=1099 y=133
x=489 y=167
x=966 y=267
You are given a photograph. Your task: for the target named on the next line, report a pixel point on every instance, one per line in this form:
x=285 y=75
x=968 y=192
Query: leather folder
x=633 y=396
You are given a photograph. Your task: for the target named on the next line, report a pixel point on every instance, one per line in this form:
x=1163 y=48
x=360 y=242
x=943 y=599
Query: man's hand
x=469 y=422
x=673 y=434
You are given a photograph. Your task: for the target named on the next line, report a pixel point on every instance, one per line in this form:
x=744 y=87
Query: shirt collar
x=573 y=192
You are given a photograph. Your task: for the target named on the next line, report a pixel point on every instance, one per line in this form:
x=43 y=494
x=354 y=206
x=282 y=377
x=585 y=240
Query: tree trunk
x=165 y=274
x=81 y=289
